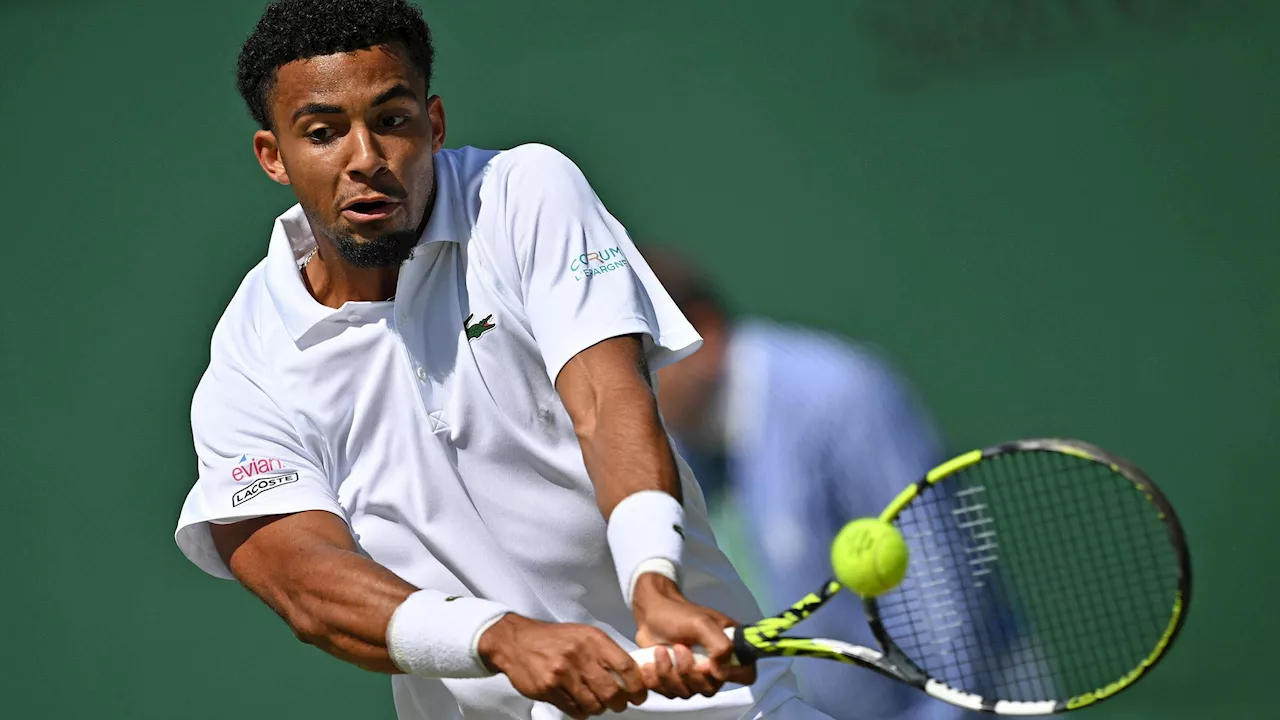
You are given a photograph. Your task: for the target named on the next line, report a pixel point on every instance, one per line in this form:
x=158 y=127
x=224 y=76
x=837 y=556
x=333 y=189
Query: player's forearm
x=625 y=448
x=307 y=567
x=628 y=458
x=343 y=607
x=330 y=596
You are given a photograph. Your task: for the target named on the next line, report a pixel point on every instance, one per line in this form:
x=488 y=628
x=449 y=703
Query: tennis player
x=427 y=434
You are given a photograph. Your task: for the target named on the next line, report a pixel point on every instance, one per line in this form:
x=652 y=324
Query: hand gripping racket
x=1044 y=576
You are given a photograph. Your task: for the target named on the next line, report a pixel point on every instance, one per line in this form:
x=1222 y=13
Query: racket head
x=1045 y=575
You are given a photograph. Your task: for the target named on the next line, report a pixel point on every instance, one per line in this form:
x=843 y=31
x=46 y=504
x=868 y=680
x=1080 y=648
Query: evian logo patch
x=251 y=467
x=261 y=485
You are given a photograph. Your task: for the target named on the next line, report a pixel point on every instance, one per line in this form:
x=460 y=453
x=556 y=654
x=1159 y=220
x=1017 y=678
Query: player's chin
x=374 y=232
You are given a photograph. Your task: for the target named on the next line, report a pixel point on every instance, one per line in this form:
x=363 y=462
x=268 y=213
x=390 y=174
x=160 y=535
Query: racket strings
x=1114 y=547
x=1034 y=576
x=1105 y=558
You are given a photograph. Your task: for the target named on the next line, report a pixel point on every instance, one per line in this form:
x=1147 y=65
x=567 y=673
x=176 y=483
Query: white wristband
x=436 y=635
x=646 y=534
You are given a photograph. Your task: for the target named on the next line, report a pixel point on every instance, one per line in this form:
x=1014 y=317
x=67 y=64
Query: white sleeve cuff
x=436 y=635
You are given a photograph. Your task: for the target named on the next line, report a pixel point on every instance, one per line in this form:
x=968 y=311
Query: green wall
x=1058 y=217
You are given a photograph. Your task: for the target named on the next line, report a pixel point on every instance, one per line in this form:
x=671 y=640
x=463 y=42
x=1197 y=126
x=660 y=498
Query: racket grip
x=649 y=655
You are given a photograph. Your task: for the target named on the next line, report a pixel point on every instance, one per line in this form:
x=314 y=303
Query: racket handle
x=649 y=655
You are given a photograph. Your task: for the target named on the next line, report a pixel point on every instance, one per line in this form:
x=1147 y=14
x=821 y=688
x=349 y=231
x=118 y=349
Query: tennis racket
x=1044 y=576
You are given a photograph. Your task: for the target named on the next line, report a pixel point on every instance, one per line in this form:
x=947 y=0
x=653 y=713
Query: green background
x=1058 y=217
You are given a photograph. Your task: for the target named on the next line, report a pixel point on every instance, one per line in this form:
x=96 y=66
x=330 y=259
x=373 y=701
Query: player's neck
x=333 y=281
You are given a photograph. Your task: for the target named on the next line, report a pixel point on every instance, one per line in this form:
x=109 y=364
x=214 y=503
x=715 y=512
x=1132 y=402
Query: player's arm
x=283 y=536
x=589 y=299
x=306 y=567
x=606 y=390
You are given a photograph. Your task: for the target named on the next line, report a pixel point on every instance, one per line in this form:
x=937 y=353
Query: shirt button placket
x=409 y=333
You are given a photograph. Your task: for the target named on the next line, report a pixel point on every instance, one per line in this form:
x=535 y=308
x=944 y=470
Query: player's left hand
x=665 y=617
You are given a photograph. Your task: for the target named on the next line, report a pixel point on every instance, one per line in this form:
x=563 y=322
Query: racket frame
x=765 y=638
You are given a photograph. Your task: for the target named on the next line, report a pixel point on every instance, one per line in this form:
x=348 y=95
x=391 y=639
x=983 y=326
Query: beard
x=389 y=250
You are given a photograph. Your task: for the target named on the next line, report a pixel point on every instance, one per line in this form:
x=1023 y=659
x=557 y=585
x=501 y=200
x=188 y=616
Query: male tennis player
x=427 y=435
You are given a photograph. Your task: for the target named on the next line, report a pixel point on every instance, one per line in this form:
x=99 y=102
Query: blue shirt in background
x=817 y=431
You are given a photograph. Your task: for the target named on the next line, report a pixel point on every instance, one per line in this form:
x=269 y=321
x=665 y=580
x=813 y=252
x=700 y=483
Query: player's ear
x=435 y=111
x=267 y=150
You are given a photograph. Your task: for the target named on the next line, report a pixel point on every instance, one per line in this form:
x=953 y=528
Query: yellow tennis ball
x=869 y=557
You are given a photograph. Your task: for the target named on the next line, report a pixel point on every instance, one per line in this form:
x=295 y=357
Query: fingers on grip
x=649 y=655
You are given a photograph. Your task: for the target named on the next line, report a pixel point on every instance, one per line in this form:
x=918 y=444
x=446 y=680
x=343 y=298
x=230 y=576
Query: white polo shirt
x=432 y=426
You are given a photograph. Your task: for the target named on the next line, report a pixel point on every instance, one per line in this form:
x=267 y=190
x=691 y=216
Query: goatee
x=390 y=250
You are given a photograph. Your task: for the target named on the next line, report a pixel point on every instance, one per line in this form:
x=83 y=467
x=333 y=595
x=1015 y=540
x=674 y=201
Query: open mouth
x=370 y=210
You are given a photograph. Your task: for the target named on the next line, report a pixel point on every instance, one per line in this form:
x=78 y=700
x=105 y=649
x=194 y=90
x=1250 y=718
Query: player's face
x=354 y=136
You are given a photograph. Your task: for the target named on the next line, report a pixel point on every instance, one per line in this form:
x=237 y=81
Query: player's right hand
x=665 y=617
x=577 y=668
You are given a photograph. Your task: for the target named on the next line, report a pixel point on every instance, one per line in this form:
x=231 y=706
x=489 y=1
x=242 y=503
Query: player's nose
x=367 y=158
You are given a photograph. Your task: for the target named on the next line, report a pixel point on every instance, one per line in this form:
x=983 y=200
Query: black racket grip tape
x=743 y=653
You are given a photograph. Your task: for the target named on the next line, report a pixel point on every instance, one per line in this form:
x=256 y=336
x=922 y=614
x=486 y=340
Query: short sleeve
x=251 y=462
x=582 y=279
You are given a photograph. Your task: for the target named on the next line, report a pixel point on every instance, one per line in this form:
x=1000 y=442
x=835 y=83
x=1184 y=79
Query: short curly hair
x=298 y=29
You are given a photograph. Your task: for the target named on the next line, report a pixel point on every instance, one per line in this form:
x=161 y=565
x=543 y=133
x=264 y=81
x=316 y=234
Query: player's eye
x=394 y=121
x=320 y=135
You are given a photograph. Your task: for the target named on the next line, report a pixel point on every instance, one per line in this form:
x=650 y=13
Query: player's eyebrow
x=395 y=91
x=316 y=109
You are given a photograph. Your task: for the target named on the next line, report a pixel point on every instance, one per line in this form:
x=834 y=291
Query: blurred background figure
x=792 y=432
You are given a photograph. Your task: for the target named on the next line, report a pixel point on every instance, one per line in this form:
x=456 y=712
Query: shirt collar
x=292 y=240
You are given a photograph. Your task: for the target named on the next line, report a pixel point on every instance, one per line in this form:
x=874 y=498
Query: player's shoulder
x=238 y=334
x=465 y=166
x=491 y=185
x=533 y=156
x=516 y=186
x=532 y=171
x=236 y=355
x=492 y=168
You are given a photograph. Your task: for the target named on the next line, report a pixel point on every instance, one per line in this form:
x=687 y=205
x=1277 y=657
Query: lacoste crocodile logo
x=476 y=330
